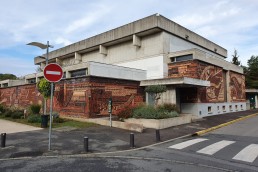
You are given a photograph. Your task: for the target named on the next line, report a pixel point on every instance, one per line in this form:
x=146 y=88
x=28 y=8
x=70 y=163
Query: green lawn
x=66 y=123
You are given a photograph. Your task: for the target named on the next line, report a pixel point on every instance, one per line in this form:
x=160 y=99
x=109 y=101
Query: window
x=209 y=109
x=241 y=107
x=32 y=81
x=5 y=85
x=236 y=107
x=230 y=107
x=76 y=73
x=181 y=58
x=224 y=108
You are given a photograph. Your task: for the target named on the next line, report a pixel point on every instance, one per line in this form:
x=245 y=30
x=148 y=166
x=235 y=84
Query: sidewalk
x=101 y=138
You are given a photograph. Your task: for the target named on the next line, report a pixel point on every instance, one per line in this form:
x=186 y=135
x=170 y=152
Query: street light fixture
x=42 y=46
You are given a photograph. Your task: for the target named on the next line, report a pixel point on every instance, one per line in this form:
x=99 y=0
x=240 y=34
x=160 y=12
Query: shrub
x=169 y=107
x=7 y=113
x=17 y=114
x=150 y=112
x=2 y=108
x=127 y=112
x=34 y=119
x=57 y=119
x=35 y=108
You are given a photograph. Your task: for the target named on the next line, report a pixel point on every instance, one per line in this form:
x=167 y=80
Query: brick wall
x=80 y=97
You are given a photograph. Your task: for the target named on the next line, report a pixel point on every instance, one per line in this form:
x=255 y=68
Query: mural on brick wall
x=81 y=97
x=237 y=87
x=214 y=93
x=20 y=96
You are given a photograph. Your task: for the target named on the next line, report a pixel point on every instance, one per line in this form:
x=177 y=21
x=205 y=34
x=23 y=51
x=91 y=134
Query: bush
x=34 y=119
x=2 y=109
x=7 y=113
x=169 y=107
x=58 y=120
x=127 y=112
x=18 y=114
x=35 y=108
x=150 y=112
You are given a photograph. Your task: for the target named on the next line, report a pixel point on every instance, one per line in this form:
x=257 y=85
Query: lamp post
x=46 y=46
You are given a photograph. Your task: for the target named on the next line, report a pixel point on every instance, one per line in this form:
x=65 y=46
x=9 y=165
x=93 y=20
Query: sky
x=232 y=24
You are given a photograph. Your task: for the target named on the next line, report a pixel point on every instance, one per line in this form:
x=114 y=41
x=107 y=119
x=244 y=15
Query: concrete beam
x=59 y=61
x=136 y=40
x=102 y=50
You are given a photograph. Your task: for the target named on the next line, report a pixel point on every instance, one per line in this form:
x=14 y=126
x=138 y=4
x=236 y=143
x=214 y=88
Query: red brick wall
x=20 y=96
x=80 y=97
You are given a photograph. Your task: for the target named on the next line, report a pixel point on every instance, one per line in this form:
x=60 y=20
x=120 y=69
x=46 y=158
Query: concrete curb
x=202 y=132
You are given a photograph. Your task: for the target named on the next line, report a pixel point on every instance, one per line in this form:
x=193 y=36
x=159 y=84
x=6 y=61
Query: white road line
x=53 y=72
x=248 y=154
x=187 y=143
x=213 y=148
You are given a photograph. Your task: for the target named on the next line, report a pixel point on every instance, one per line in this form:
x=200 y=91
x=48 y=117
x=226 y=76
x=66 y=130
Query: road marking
x=248 y=154
x=53 y=72
x=213 y=148
x=187 y=143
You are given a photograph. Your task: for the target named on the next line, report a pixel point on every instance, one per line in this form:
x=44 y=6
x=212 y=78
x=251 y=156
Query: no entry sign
x=53 y=72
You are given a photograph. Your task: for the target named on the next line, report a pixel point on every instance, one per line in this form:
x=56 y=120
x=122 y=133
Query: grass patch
x=65 y=123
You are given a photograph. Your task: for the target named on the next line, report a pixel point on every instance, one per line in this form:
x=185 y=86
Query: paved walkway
x=13 y=127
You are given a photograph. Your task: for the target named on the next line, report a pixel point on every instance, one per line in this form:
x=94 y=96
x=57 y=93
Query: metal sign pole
x=50 y=125
x=110 y=111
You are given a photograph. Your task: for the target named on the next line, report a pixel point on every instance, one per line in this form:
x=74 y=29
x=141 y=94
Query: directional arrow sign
x=53 y=72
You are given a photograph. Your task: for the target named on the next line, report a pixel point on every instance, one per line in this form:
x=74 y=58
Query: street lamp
x=46 y=46
x=42 y=46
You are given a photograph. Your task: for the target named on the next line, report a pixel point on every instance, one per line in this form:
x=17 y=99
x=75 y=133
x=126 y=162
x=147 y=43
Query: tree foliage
x=44 y=87
x=235 y=57
x=7 y=76
x=251 y=73
x=156 y=91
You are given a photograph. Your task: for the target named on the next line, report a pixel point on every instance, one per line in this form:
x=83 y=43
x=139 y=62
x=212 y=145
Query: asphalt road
x=232 y=148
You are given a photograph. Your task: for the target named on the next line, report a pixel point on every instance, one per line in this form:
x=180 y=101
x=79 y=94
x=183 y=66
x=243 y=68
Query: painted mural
x=237 y=87
x=214 y=74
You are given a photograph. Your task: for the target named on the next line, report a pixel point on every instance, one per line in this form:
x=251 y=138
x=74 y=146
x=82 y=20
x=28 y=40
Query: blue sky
x=232 y=24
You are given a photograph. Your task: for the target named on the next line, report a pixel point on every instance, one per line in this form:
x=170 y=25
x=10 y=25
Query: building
x=159 y=52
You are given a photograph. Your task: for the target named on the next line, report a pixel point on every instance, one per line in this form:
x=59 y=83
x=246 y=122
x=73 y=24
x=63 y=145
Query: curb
x=202 y=132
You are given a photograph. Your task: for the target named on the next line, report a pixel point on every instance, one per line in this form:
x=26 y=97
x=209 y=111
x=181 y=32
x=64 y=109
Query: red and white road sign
x=53 y=72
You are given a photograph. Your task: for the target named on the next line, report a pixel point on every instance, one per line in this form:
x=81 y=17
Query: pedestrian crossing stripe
x=213 y=148
x=187 y=143
x=248 y=154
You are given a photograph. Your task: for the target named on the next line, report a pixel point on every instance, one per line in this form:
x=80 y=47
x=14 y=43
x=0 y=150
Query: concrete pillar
x=77 y=57
x=42 y=65
x=67 y=74
x=102 y=49
x=136 y=41
x=58 y=61
x=256 y=101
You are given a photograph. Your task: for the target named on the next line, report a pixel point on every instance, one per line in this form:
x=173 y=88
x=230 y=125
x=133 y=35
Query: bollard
x=3 y=139
x=132 y=140
x=157 y=136
x=86 y=144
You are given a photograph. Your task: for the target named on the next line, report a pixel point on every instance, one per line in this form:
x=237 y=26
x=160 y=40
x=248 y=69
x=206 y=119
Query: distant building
x=150 y=51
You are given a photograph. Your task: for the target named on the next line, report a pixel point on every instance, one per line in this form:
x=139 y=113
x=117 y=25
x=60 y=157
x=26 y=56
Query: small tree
x=44 y=87
x=235 y=57
x=156 y=91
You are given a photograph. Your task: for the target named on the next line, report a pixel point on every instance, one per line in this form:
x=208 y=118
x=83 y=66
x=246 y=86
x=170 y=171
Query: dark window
x=64 y=75
x=5 y=85
x=76 y=73
x=31 y=81
x=181 y=58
